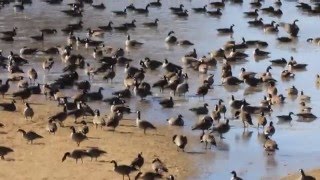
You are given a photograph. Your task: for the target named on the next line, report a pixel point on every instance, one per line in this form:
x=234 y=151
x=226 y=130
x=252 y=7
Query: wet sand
x=42 y=160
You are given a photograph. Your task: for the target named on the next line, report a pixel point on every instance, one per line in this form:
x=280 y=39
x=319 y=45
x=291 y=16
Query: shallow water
x=240 y=151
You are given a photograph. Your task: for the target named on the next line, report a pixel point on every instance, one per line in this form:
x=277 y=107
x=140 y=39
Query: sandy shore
x=315 y=173
x=43 y=159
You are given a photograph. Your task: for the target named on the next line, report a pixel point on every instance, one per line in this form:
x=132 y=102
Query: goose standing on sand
x=114 y=119
x=221 y=128
x=28 y=111
x=234 y=176
x=171 y=38
x=304 y=176
x=132 y=43
x=138 y=162
x=11 y=107
x=22 y=94
x=30 y=136
x=180 y=141
x=143 y=124
x=4 y=88
x=77 y=137
x=60 y=116
x=4 y=151
x=51 y=127
x=176 y=121
x=95 y=152
x=98 y=120
x=75 y=154
x=158 y=166
x=123 y=170
x=208 y=138
x=84 y=128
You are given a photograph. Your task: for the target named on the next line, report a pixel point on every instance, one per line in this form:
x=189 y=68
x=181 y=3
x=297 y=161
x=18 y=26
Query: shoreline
x=42 y=160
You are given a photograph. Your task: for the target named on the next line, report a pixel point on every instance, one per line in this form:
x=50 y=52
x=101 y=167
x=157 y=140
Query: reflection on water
x=241 y=150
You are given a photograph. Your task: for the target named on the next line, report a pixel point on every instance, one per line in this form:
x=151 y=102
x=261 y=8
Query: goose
x=304 y=97
x=234 y=176
x=314 y=40
x=269 y=25
x=170 y=38
x=201 y=110
x=245 y=117
x=256 y=22
x=98 y=6
x=226 y=30
x=33 y=75
x=304 y=108
x=4 y=151
x=123 y=170
x=155 y=3
x=285 y=118
x=114 y=100
x=11 y=107
x=180 y=141
x=121 y=28
x=215 y=114
x=236 y=104
x=220 y=4
x=120 y=13
x=256 y=3
x=170 y=67
x=51 y=127
x=38 y=38
x=10 y=33
x=141 y=10
x=200 y=10
x=150 y=64
x=252 y=13
x=152 y=24
x=7 y=38
x=185 y=43
x=305 y=177
x=277 y=12
x=222 y=108
x=182 y=88
x=177 y=9
x=278 y=3
x=141 y=90
x=161 y=83
x=246 y=74
x=262 y=120
x=203 y=89
x=49 y=31
x=158 y=166
x=28 y=111
x=95 y=96
x=285 y=39
x=269 y=9
x=95 y=32
x=132 y=43
x=208 y=138
x=231 y=81
x=204 y=123
x=95 y=152
x=272 y=89
x=216 y=13
x=296 y=66
x=98 y=120
x=114 y=119
x=176 y=121
x=292 y=91
x=183 y=13
x=281 y=62
x=143 y=124
x=22 y=94
x=253 y=82
x=259 y=53
x=130 y=7
x=28 y=51
x=167 y=103
x=292 y=29
x=306 y=116
x=270 y=145
x=30 y=136
x=131 y=24
x=220 y=53
x=273 y=29
x=221 y=128
x=77 y=137
x=138 y=162
x=48 y=64
x=148 y=176
x=110 y=74
x=75 y=154
x=121 y=108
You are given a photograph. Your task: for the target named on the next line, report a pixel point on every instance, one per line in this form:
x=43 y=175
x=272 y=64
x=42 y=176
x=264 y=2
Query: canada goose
x=121 y=28
x=226 y=30
x=285 y=118
x=176 y=121
x=110 y=74
x=216 y=13
x=10 y=33
x=215 y=114
x=33 y=75
x=222 y=108
x=220 y=53
x=95 y=32
x=141 y=90
x=11 y=107
x=138 y=162
x=7 y=38
x=180 y=141
x=38 y=38
x=170 y=38
x=220 y=4
x=158 y=166
x=269 y=25
x=4 y=151
x=94 y=96
x=201 y=110
x=252 y=13
x=253 y=82
x=47 y=64
x=95 y=152
x=28 y=111
x=265 y=102
x=262 y=120
x=170 y=67
x=234 y=176
x=22 y=94
x=306 y=116
x=280 y=62
x=51 y=126
x=221 y=128
x=141 y=10
x=123 y=170
x=246 y=74
x=208 y=138
x=305 y=177
x=132 y=43
x=148 y=176
x=304 y=108
x=272 y=29
x=245 y=117
x=98 y=120
x=120 y=13
x=204 y=123
x=236 y=104
x=270 y=145
x=292 y=91
x=177 y=9
x=185 y=43
x=4 y=88
x=314 y=40
x=75 y=154
x=259 y=53
x=256 y=3
x=231 y=81
x=200 y=10
x=125 y=93
x=156 y=3
x=143 y=124
x=131 y=24
x=28 y=51
x=183 y=13
x=150 y=64
x=152 y=24
x=296 y=66
x=167 y=103
x=304 y=97
x=113 y=119
x=161 y=83
x=77 y=137
x=285 y=39
x=269 y=9
x=292 y=29
x=256 y=22
x=277 y=12
x=49 y=31
x=203 y=89
x=30 y=136
x=98 y=6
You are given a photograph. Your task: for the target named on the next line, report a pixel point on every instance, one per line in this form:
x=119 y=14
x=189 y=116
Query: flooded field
x=241 y=150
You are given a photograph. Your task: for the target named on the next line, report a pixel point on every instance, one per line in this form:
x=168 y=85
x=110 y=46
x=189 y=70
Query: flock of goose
x=107 y=62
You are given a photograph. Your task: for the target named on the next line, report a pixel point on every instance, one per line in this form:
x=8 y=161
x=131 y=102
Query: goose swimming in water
x=132 y=43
